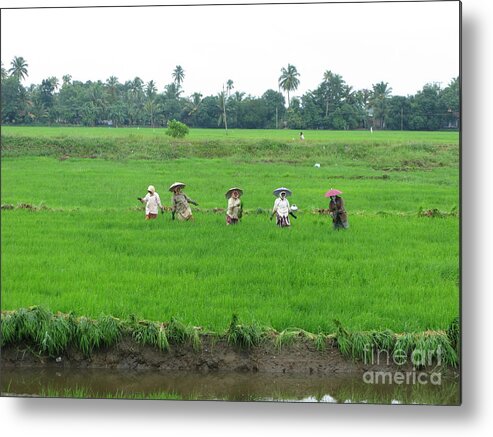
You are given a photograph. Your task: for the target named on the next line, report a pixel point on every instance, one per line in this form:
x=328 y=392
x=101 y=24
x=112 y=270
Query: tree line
x=333 y=104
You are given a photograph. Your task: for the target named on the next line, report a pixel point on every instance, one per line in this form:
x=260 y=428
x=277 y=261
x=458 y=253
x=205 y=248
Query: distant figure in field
x=181 y=208
x=235 y=206
x=336 y=209
x=282 y=209
x=152 y=202
x=302 y=137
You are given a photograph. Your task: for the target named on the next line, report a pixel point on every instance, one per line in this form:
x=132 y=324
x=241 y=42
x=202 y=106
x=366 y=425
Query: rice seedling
x=58 y=333
x=88 y=336
x=179 y=333
x=343 y=339
x=286 y=337
x=321 y=341
x=73 y=252
x=453 y=333
x=433 y=347
x=243 y=336
x=8 y=327
x=110 y=329
x=361 y=345
x=384 y=340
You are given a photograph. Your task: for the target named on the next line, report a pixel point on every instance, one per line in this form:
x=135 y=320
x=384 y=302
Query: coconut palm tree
x=151 y=89
x=378 y=101
x=288 y=80
x=178 y=75
x=19 y=67
x=229 y=86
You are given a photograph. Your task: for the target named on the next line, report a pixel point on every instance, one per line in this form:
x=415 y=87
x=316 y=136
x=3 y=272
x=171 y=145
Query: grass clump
x=243 y=336
x=150 y=333
x=179 y=333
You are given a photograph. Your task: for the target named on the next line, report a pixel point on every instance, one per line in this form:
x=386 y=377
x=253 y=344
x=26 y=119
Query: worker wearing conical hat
x=181 y=203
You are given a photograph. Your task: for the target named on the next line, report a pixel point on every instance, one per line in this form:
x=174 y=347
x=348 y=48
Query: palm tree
x=151 y=89
x=151 y=107
x=288 y=80
x=19 y=67
x=378 y=101
x=66 y=78
x=54 y=82
x=334 y=89
x=111 y=85
x=172 y=91
x=178 y=75
x=222 y=106
x=229 y=86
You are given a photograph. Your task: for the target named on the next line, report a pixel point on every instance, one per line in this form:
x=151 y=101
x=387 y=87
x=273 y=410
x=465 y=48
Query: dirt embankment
x=214 y=355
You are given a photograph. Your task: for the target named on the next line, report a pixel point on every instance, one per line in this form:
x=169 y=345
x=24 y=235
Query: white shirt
x=152 y=203
x=281 y=207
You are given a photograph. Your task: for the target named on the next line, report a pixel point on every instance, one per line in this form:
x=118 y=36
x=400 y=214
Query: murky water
x=100 y=383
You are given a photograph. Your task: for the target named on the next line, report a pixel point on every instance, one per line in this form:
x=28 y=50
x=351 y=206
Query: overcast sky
x=404 y=44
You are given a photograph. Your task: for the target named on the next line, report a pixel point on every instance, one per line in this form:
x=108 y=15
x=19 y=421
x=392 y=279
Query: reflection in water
x=348 y=388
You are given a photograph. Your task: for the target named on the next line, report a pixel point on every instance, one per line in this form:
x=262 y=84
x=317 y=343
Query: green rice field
x=74 y=236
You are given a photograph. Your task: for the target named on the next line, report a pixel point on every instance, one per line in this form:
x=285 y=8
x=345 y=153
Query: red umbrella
x=332 y=192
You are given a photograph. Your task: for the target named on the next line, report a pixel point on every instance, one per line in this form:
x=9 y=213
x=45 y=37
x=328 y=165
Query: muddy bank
x=301 y=357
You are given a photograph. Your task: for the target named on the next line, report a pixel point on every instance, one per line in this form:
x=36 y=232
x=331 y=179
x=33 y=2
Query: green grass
x=87 y=248
x=346 y=137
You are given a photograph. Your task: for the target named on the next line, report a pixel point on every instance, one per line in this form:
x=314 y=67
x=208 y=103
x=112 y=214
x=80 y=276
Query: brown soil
x=215 y=355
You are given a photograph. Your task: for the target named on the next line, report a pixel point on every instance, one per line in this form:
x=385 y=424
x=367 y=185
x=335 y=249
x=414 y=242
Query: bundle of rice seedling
x=110 y=329
x=58 y=333
x=286 y=337
x=179 y=333
x=453 y=333
x=87 y=335
x=244 y=336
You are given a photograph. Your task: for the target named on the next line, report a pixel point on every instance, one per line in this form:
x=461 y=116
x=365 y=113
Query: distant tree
x=151 y=89
x=378 y=101
x=178 y=75
x=288 y=80
x=229 y=86
x=176 y=129
x=273 y=102
x=172 y=91
x=13 y=101
x=4 y=72
x=222 y=119
x=151 y=108
x=333 y=89
x=19 y=68
x=428 y=112
x=112 y=88
x=66 y=79
x=450 y=97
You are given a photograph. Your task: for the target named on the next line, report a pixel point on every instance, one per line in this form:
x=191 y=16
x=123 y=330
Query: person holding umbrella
x=235 y=206
x=336 y=209
x=181 y=208
x=152 y=202
x=282 y=209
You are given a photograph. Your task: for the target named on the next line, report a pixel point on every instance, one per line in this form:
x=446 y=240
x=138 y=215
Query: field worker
x=282 y=209
x=234 y=211
x=302 y=137
x=336 y=209
x=152 y=202
x=181 y=208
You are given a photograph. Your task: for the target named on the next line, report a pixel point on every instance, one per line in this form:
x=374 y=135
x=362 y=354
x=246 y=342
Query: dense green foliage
x=74 y=238
x=332 y=104
x=176 y=129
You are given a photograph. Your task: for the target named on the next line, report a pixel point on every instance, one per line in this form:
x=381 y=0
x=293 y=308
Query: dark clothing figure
x=338 y=213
